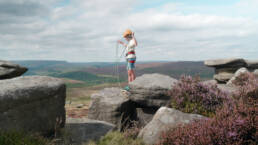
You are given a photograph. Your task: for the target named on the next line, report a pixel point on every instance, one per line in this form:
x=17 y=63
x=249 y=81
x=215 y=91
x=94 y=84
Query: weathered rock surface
x=10 y=70
x=226 y=70
x=230 y=62
x=237 y=74
x=252 y=64
x=34 y=104
x=82 y=130
x=113 y=106
x=150 y=90
x=164 y=119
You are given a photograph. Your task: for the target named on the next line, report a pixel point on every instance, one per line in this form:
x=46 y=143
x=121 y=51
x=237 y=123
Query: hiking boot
x=127 y=88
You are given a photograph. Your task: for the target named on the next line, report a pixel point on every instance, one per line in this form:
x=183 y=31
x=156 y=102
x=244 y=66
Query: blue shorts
x=130 y=63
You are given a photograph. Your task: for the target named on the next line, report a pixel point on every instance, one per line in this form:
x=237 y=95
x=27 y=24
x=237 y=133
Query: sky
x=166 y=30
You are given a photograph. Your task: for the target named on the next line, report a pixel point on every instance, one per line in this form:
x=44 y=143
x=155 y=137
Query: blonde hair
x=127 y=32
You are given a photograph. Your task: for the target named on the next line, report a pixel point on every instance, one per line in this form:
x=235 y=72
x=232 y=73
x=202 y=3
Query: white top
x=130 y=47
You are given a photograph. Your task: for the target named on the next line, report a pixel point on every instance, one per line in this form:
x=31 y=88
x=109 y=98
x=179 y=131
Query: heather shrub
x=248 y=88
x=191 y=96
x=232 y=125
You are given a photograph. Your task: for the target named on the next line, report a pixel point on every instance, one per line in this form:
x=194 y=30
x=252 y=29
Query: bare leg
x=133 y=75
x=129 y=76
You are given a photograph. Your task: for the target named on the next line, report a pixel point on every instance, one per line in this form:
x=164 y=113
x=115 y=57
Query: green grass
x=117 y=138
x=20 y=138
x=190 y=107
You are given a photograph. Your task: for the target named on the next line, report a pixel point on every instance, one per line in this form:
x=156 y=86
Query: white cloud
x=88 y=30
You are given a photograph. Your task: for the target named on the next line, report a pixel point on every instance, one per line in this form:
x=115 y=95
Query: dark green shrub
x=117 y=138
x=20 y=138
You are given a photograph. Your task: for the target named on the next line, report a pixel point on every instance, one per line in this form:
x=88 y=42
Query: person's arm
x=134 y=39
x=121 y=42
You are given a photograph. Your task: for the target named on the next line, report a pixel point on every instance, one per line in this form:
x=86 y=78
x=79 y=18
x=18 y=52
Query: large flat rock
x=150 y=90
x=163 y=120
x=34 y=104
x=10 y=70
x=82 y=130
x=153 y=81
x=230 y=62
x=112 y=105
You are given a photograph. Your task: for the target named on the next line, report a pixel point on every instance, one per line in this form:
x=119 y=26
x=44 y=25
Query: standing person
x=130 y=54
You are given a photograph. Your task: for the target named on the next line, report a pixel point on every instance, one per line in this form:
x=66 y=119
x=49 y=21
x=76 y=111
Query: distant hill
x=96 y=70
x=173 y=69
x=176 y=69
x=49 y=67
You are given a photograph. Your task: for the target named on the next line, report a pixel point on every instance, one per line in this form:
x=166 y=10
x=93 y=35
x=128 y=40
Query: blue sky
x=84 y=31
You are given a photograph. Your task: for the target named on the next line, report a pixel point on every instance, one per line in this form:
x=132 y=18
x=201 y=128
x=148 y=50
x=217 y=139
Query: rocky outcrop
x=150 y=92
x=147 y=93
x=164 y=119
x=112 y=105
x=82 y=130
x=33 y=104
x=10 y=70
x=226 y=68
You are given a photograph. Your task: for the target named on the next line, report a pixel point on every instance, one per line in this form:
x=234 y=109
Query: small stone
x=80 y=105
x=256 y=72
x=237 y=74
x=223 y=77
